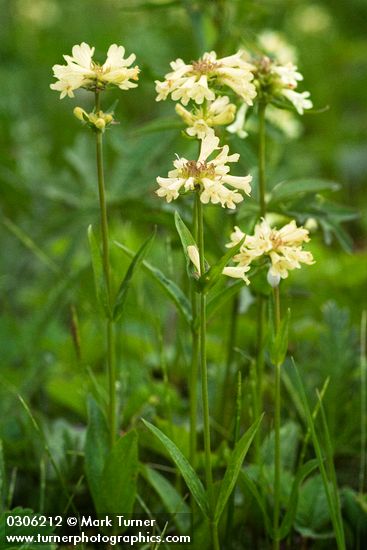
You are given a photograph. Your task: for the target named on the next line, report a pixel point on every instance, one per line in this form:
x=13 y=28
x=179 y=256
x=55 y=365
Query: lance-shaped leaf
x=286 y=190
x=193 y=482
x=187 y=240
x=279 y=343
x=211 y=277
x=233 y=469
x=168 y=286
x=99 y=274
x=124 y=286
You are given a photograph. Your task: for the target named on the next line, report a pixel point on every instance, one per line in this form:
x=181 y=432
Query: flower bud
x=108 y=118
x=272 y=279
x=79 y=113
x=100 y=124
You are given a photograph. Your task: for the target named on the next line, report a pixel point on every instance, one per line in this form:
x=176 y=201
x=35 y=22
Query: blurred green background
x=49 y=197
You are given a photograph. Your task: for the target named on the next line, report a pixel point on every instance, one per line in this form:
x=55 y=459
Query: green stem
x=195 y=355
x=363 y=363
x=277 y=428
x=110 y=329
x=262 y=182
x=204 y=380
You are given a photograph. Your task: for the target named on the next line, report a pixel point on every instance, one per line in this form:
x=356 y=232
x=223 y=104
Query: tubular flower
x=283 y=248
x=193 y=81
x=201 y=119
x=208 y=177
x=81 y=71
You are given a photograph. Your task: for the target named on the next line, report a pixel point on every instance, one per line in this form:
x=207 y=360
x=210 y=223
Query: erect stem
x=277 y=398
x=204 y=381
x=110 y=329
x=262 y=136
x=194 y=354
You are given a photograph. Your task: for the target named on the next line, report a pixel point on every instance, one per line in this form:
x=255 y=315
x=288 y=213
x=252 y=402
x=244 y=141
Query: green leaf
x=286 y=190
x=120 y=474
x=170 y=497
x=279 y=344
x=288 y=519
x=96 y=451
x=218 y=299
x=186 y=240
x=169 y=287
x=124 y=287
x=211 y=277
x=99 y=275
x=193 y=482
x=233 y=469
x=313 y=515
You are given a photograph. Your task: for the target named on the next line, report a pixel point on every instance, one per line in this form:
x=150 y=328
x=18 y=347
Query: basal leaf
x=193 y=482
x=96 y=451
x=120 y=474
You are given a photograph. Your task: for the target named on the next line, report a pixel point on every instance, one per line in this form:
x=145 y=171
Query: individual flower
x=238 y=126
x=300 y=101
x=81 y=71
x=193 y=254
x=207 y=177
x=282 y=247
x=201 y=119
x=194 y=81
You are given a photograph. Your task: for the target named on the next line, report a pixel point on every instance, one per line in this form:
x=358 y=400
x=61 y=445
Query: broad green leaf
x=193 y=482
x=186 y=240
x=288 y=519
x=120 y=474
x=211 y=277
x=96 y=451
x=290 y=436
x=286 y=190
x=233 y=468
x=170 y=497
x=279 y=344
x=313 y=515
x=169 y=287
x=99 y=275
x=124 y=287
x=218 y=299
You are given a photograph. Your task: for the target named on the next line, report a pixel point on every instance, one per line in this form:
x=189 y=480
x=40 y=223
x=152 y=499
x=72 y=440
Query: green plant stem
x=204 y=381
x=363 y=363
x=110 y=329
x=276 y=427
x=261 y=156
x=195 y=354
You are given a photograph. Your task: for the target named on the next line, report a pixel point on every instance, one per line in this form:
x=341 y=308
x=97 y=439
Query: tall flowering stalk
x=282 y=250
x=209 y=178
x=82 y=71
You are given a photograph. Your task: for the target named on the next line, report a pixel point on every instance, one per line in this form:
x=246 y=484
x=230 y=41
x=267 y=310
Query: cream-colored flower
x=283 y=247
x=238 y=126
x=81 y=71
x=208 y=177
x=194 y=81
x=201 y=119
x=275 y=45
x=300 y=101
